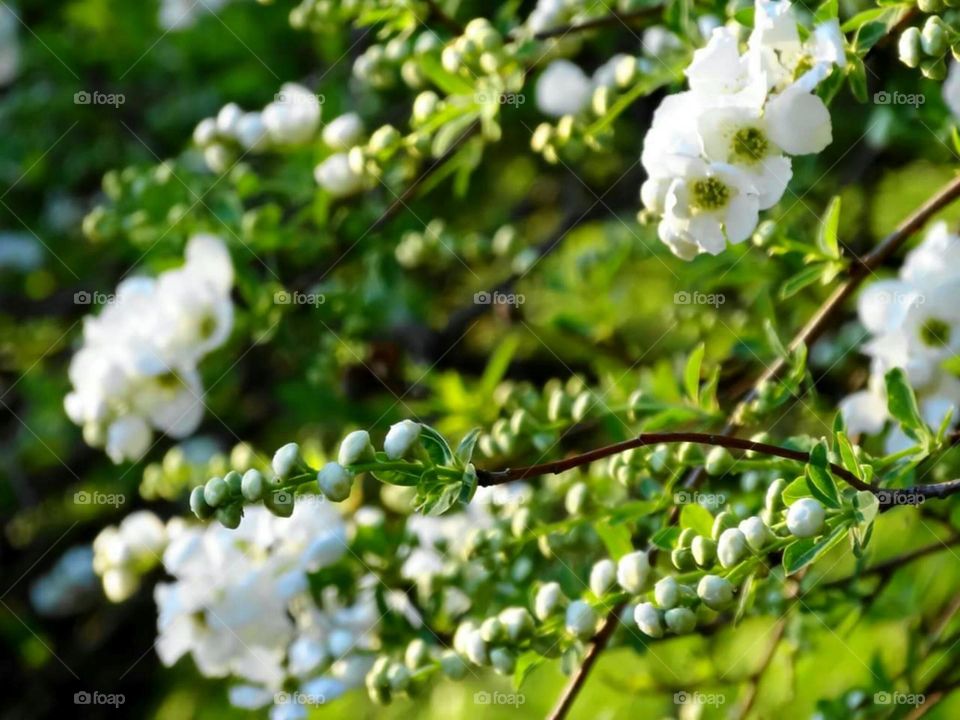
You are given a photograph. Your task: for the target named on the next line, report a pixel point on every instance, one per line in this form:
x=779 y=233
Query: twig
x=605 y=21
x=448 y=22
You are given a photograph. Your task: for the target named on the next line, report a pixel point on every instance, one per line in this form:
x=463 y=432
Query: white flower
x=228 y=118
x=335 y=481
x=516 y=622
x=731 y=547
x=343 y=132
x=716 y=592
x=581 y=620
x=805 y=518
x=707 y=207
x=293 y=118
x=400 y=438
x=251 y=133
x=798 y=121
x=336 y=176
x=563 y=89
x=128 y=438
x=355 y=447
x=647 y=618
x=602 y=575
x=633 y=570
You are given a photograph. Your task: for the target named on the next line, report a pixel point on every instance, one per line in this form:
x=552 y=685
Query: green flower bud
x=425 y=105
x=335 y=481
x=601 y=576
x=633 y=570
x=774 y=499
x=716 y=592
x=558 y=406
x=689 y=453
x=279 y=502
x=723 y=521
x=635 y=403
x=934 y=69
x=682 y=559
x=491 y=630
x=520 y=522
x=680 y=620
x=427 y=42
x=805 y=518
x=704 y=551
x=286 y=460
x=666 y=592
x=503 y=660
x=541 y=137
x=576 y=498
x=756 y=532
x=686 y=537
x=731 y=547
x=933 y=37
x=230 y=515
x=581 y=620
x=252 y=485
x=453 y=665
x=549 y=599
x=517 y=623
x=719 y=461
x=198 y=503
x=416 y=655
x=582 y=406
x=383 y=138
x=647 y=618
x=521 y=422
x=234 y=482
x=398 y=677
x=909 y=47
x=600 y=102
x=215 y=491
x=412 y=75
x=625 y=71
x=451 y=59
x=355 y=448
x=930 y=6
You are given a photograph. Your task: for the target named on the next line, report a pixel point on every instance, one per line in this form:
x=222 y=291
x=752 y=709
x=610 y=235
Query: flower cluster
x=290 y=120
x=137 y=368
x=124 y=553
x=914 y=323
x=718 y=153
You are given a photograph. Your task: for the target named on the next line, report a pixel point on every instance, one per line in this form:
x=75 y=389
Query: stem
x=605 y=21
x=488 y=477
x=448 y=22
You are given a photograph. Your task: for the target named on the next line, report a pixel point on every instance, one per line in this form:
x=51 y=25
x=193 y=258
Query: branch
x=605 y=21
x=448 y=22
x=491 y=477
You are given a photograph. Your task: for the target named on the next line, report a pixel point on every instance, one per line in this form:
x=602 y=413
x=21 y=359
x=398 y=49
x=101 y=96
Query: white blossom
x=581 y=620
x=336 y=176
x=716 y=592
x=602 y=575
x=633 y=570
x=293 y=118
x=647 y=618
x=343 y=132
x=805 y=518
x=563 y=88
x=400 y=438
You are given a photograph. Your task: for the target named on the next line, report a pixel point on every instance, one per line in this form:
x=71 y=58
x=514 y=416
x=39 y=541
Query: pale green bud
x=491 y=630
x=719 y=461
x=453 y=665
x=517 y=623
x=252 y=485
x=215 y=491
x=576 y=498
x=647 y=618
x=723 y=521
x=383 y=138
x=704 y=551
x=601 y=576
x=933 y=37
x=909 y=47
x=582 y=406
x=286 y=460
x=503 y=660
x=230 y=515
x=400 y=438
x=731 y=547
x=581 y=620
x=774 y=499
x=666 y=592
x=398 y=677
x=633 y=570
x=198 y=504
x=355 y=448
x=416 y=655
x=680 y=620
x=756 y=532
x=549 y=599
x=335 y=481
x=805 y=518
x=425 y=105
x=716 y=592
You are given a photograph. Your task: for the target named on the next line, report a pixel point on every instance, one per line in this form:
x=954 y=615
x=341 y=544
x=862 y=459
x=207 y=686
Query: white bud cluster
x=122 y=554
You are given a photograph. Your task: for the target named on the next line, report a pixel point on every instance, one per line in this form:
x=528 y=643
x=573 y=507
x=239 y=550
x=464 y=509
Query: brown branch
x=443 y=18
x=497 y=477
x=605 y=21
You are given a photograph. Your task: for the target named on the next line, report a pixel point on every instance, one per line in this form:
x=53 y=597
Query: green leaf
x=665 y=538
x=696 y=517
x=828 y=234
x=902 y=404
x=450 y=83
x=795 y=490
x=862 y=18
x=691 y=374
x=469 y=485
x=848 y=457
x=819 y=479
x=869 y=35
x=526 y=664
x=857 y=76
x=867 y=506
x=465 y=449
x=801 y=553
x=802 y=279
x=616 y=538
x=774 y=339
x=955 y=137
x=436 y=446
x=828 y=10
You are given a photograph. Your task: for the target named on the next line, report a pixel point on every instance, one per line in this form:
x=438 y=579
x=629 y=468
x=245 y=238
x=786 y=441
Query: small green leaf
x=467 y=444
x=828 y=239
x=867 y=506
x=436 y=446
x=802 y=279
x=802 y=552
x=526 y=664
x=665 y=538
x=828 y=10
x=857 y=76
x=848 y=456
x=616 y=538
x=868 y=35
x=691 y=374
x=696 y=517
x=819 y=479
x=795 y=490
x=468 y=486
x=902 y=404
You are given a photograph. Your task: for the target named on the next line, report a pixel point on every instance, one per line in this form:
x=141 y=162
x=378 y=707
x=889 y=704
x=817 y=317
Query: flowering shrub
x=578 y=358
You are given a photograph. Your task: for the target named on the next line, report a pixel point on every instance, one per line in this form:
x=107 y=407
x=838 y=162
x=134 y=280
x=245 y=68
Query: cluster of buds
x=927 y=47
x=429 y=248
x=123 y=554
x=224 y=497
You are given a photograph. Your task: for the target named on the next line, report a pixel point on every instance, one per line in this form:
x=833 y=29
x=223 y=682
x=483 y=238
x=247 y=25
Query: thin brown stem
x=443 y=18
x=612 y=19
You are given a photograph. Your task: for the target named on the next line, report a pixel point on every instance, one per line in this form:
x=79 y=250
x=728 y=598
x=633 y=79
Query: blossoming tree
x=607 y=347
